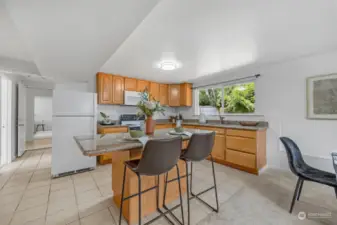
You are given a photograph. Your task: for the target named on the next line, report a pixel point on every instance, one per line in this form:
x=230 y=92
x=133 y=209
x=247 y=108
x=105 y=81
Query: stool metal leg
x=181 y=198
x=215 y=187
x=295 y=195
x=188 y=195
x=139 y=200
x=202 y=192
x=122 y=198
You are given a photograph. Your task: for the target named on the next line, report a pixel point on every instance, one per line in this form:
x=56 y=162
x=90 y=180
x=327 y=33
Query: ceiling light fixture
x=168 y=65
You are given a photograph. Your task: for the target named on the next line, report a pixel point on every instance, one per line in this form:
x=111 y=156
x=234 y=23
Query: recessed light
x=168 y=65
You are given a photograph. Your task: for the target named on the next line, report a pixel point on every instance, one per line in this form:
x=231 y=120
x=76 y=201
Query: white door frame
x=21 y=118
x=6 y=96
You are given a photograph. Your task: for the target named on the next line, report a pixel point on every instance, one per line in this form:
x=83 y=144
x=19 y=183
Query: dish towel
x=187 y=133
x=334 y=161
x=143 y=140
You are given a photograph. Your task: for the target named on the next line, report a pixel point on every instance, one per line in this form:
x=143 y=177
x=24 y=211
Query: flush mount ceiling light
x=168 y=65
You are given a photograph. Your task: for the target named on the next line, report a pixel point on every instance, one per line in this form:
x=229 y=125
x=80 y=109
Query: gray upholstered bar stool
x=159 y=157
x=198 y=149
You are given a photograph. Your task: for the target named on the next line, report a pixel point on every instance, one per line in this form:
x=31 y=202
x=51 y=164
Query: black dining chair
x=158 y=157
x=303 y=171
x=198 y=149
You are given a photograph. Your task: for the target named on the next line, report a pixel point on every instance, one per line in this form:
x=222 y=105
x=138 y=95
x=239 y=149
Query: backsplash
x=114 y=111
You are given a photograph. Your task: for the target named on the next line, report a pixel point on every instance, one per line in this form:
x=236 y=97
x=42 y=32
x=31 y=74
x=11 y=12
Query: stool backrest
x=159 y=156
x=200 y=146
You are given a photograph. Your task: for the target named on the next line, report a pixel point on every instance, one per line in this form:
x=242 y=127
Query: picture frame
x=322 y=97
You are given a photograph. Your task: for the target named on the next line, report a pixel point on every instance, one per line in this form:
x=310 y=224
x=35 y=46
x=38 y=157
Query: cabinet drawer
x=107 y=156
x=240 y=158
x=217 y=130
x=241 y=133
x=109 y=130
x=242 y=144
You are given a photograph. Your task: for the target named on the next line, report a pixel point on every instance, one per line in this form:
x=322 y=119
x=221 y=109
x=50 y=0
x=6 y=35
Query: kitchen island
x=123 y=150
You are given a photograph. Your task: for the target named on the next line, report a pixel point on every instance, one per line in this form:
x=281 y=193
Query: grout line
x=76 y=200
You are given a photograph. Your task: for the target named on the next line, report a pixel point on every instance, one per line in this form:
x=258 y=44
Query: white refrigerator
x=74 y=114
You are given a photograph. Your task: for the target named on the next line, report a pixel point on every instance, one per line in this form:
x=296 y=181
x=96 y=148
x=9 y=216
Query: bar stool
x=159 y=157
x=199 y=148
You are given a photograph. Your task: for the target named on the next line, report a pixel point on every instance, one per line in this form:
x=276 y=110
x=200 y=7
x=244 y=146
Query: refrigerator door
x=66 y=155
x=72 y=103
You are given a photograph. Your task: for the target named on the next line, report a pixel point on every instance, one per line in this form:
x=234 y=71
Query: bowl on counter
x=249 y=123
x=179 y=129
x=136 y=133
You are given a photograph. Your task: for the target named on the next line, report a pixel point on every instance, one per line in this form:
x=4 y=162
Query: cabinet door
x=163 y=92
x=174 y=95
x=186 y=94
x=154 y=90
x=118 y=89
x=104 y=88
x=142 y=84
x=130 y=84
x=219 y=147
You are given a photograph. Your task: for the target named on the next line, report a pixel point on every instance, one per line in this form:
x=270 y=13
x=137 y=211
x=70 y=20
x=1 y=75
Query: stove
x=133 y=121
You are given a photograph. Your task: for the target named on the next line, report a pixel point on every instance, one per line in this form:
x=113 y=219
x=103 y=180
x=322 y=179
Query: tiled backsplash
x=114 y=111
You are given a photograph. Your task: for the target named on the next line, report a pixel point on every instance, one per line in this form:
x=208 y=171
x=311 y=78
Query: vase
x=150 y=125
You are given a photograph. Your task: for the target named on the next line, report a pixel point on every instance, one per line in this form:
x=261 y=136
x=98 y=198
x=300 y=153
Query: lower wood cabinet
x=219 y=147
x=106 y=158
x=163 y=126
x=241 y=158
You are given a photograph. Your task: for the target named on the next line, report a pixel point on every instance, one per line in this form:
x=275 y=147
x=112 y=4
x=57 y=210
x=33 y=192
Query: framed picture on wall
x=322 y=97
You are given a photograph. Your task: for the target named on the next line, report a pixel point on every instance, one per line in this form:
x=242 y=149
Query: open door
x=21 y=119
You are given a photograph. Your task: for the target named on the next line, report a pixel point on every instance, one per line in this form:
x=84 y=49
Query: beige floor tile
x=61 y=204
x=90 y=195
x=64 y=216
x=102 y=218
x=36 y=191
x=106 y=190
x=61 y=185
x=61 y=180
x=5 y=219
x=75 y=223
x=62 y=193
x=11 y=190
x=40 y=221
x=8 y=208
x=21 y=217
x=33 y=201
x=91 y=207
x=85 y=187
x=33 y=185
x=10 y=198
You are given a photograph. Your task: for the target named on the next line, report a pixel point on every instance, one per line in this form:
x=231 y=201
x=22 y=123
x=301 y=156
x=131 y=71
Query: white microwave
x=131 y=97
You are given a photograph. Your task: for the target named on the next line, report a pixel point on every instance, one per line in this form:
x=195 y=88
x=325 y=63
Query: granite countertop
x=229 y=124
x=93 y=145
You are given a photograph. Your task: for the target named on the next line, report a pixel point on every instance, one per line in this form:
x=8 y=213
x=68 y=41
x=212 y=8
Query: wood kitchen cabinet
x=155 y=91
x=104 y=88
x=163 y=94
x=174 y=95
x=186 y=94
x=142 y=85
x=130 y=84
x=117 y=90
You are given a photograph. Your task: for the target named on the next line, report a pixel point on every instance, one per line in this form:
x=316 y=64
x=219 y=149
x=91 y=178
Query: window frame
x=196 y=98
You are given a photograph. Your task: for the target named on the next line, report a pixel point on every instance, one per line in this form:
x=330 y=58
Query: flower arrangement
x=148 y=105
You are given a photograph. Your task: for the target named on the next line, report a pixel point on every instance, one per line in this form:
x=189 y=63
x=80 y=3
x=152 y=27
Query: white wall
x=43 y=109
x=30 y=102
x=73 y=86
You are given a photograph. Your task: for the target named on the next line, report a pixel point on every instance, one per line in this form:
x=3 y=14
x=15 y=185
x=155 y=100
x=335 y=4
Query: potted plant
x=106 y=119
x=148 y=106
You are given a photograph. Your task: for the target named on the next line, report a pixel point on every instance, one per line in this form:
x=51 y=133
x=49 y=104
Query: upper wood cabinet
x=130 y=84
x=117 y=90
x=186 y=94
x=163 y=94
x=142 y=84
x=154 y=91
x=104 y=88
x=174 y=95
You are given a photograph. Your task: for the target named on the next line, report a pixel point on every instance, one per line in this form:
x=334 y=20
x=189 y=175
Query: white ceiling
x=11 y=43
x=217 y=35
x=73 y=39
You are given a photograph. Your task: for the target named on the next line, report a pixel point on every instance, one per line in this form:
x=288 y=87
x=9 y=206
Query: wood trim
x=110 y=130
x=261 y=154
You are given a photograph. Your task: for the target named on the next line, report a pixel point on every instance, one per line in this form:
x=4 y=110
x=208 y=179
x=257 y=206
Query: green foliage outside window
x=237 y=98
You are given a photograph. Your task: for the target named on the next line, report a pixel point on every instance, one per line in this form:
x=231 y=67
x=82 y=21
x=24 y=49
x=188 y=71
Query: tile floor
x=38 y=144
x=29 y=196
